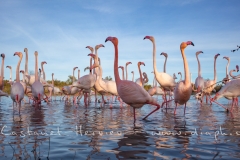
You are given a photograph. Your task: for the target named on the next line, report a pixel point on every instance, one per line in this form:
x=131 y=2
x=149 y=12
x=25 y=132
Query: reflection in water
x=98 y=132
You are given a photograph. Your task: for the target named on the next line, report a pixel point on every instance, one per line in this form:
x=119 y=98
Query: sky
x=61 y=30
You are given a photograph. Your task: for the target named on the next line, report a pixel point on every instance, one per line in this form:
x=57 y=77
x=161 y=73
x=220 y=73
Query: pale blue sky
x=60 y=31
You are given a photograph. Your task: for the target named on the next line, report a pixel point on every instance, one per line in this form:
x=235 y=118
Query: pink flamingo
x=183 y=89
x=226 y=79
x=123 y=77
x=132 y=76
x=130 y=92
x=199 y=82
x=166 y=56
x=2 y=72
x=140 y=81
x=126 y=69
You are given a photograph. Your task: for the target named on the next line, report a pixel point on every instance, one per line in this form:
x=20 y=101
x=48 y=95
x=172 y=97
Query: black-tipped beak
x=106 y=40
x=192 y=43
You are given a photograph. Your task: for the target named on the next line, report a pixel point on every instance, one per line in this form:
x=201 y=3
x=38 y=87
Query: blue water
x=65 y=131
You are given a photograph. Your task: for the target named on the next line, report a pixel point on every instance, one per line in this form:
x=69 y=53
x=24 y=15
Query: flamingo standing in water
x=126 y=69
x=210 y=84
x=37 y=86
x=17 y=90
x=165 y=80
x=183 y=89
x=130 y=92
x=199 y=82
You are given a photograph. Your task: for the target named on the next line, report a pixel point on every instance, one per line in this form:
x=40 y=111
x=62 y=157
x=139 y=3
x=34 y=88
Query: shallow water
x=64 y=131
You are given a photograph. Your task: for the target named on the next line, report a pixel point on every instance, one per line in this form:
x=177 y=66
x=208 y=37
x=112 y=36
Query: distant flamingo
x=235 y=77
x=140 y=81
x=132 y=76
x=153 y=89
x=226 y=79
x=183 y=90
x=123 y=77
x=165 y=80
x=2 y=72
x=180 y=77
x=199 y=82
x=210 y=84
x=17 y=90
x=130 y=92
x=10 y=78
x=126 y=69
x=166 y=56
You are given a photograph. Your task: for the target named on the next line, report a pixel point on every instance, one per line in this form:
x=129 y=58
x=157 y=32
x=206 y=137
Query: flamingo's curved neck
x=73 y=76
x=43 y=72
x=133 y=76
x=227 y=68
x=78 y=74
x=123 y=77
x=164 y=68
x=18 y=69
x=180 y=77
x=154 y=58
x=215 y=70
x=116 y=73
x=26 y=63
x=186 y=69
x=10 y=74
x=140 y=72
x=199 y=67
x=52 y=81
x=230 y=73
x=36 y=68
x=23 y=78
x=90 y=71
x=126 y=72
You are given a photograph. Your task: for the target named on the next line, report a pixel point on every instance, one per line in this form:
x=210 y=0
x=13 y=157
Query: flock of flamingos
x=130 y=92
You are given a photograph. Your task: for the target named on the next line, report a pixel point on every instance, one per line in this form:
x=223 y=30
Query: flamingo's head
x=198 y=52
x=3 y=55
x=86 y=68
x=25 y=49
x=237 y=67
x=165 y=54
x=151 y=38
x=98 y=46
x=183 y=45
x=36 y=53
x=121 y=67
x=9 y=67
x=40 y=70
x=44 y=62
x=174 y=76
x=75 y=68
x=22 y=71
x=92 y=55
x=52 y=74
x=179 y=73
x=19 y=54
x=114 y=40
x=216 y=55
x=128 y=63
x=227 y=58
x=132 y=72
x=91 y=48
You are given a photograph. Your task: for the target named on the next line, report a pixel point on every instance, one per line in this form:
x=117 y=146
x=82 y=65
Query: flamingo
x=27 y=89
x=126 y=69
x=130 y=92
x=165 y=80
x=180 y=77
x=108 y=86
x=235 y=77
x=226 y=79
x=139 y=81
x=183 y=89
x=2 y=72
x=37 y=86
x=199 y=82
x=17 y=90
x=132 y=76
x=166 y=56
x=230 y=90
x=153 y=89
x=123 y=77
x=10 y=78
x=210 y=84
